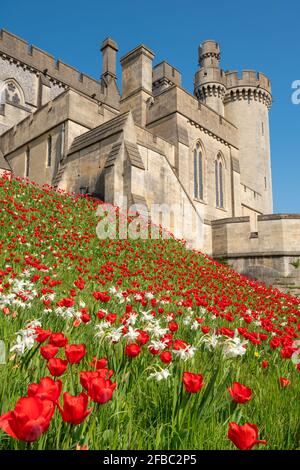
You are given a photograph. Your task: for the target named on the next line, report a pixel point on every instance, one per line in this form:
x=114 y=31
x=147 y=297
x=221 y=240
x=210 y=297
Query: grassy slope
x=55 y=235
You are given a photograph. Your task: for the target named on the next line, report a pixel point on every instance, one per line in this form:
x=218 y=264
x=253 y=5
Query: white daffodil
x=186 y=353
x=24 y=342
x=115 y=335
x=156 y=330
x=160 y=375
x=146 y=316
x=195 y=325
x=149 y=296
x=159 y=345
x=131 y=320
x=101 y=327
x=234 y=347
x=211 y=341
x=120 y=298
x=131 y=334
x=187 y=320
x=138 y=297
x=112 y=290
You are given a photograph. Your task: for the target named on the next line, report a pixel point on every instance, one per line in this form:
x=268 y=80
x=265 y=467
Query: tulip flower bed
x=135 y=344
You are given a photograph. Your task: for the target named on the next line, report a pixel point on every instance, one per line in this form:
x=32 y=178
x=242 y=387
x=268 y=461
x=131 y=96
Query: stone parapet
x=40 y=61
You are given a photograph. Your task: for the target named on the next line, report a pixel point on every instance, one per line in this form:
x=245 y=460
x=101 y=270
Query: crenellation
x=38 y=61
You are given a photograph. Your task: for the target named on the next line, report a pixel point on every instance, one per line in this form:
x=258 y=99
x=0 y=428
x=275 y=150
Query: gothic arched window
x=198 y=172
x=219 y=178
x=11 y=93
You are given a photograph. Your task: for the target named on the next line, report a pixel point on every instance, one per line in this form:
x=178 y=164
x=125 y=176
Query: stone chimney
x=137 y=82
x=109 y=51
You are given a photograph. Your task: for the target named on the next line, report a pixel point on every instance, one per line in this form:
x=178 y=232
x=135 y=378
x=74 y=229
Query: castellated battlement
x=248 y=78
x=250 y=85
x=40 y=62
x=209 y=52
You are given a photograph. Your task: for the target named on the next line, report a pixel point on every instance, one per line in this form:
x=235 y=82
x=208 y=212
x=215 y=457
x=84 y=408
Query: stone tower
x=210 y=80
x=247 y=103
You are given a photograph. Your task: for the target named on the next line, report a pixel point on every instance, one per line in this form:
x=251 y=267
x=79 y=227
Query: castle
x=155 y=143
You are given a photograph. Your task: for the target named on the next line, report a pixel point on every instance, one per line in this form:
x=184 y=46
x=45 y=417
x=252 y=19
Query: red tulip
x=101 y=390
x=47 y=389
x=143 y=337
x=86 y=377
x=192 y=382
x=57 y=367
x=284 y=382
x=166 y=357
x=48 y=351
x=132 y=350
x=240 y=393
x=102 y=296
x=75 y=352
x=244 y=437
x=265 y=364
x=205 y=329
x=58 y=339
x=75 y=409
x=30 y=418
x=41 y=335
x=99 y=363
x=66 y=302
x=173 y=326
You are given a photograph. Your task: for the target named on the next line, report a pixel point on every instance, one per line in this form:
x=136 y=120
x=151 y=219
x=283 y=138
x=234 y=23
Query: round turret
x=247 y=102
x=210 y=80
x=209 y=54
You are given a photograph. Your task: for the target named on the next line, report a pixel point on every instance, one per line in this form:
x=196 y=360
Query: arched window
x=49 y=151
x=12 y=93
x=27 y=162
x=198 y=172
x=219 y=178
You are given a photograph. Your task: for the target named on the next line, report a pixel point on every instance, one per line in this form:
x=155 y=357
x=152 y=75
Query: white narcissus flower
x=211 y=341
x=112 y=290
x=147 y=316
x=131 y=334
x=149 y=296
x=186 y=353
x=115 y=335
x=234 y=347
x=156 y=330
x=120 y=298
x=195 y=325
x=101 y=327
x=160 y=375
x=159 y=345
x=25 y=339
x=131 y=320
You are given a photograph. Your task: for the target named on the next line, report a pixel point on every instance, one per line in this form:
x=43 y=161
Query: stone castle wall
x=268 y=254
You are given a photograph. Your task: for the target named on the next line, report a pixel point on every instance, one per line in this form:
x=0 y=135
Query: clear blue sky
x=261 y=35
